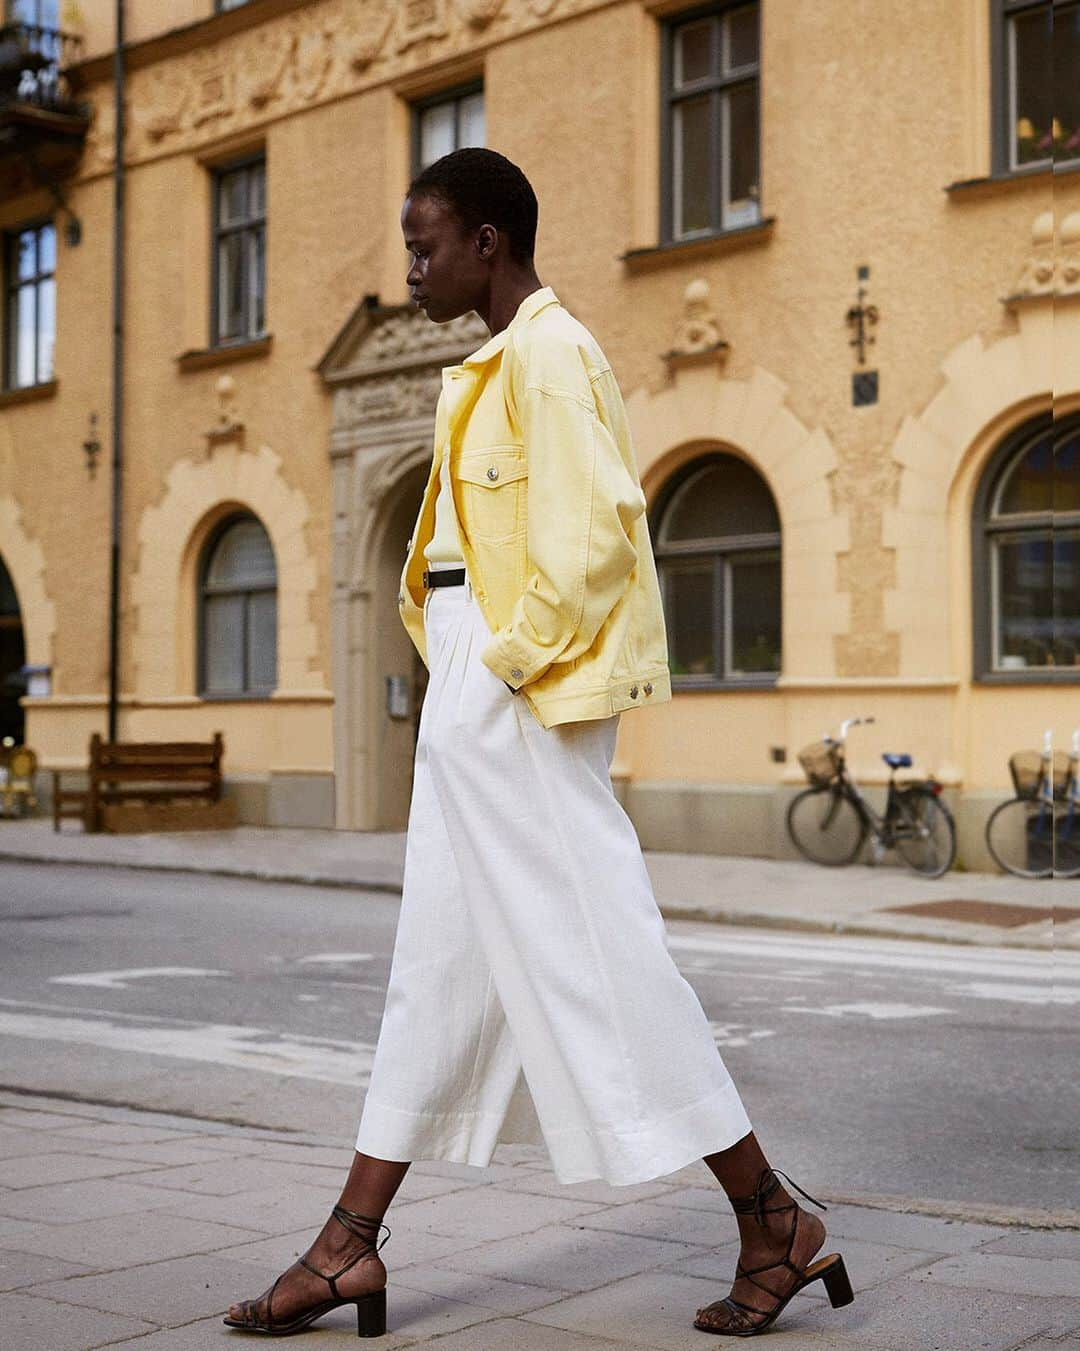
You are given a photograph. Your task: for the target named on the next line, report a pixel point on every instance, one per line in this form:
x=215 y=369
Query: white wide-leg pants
x=532 y=997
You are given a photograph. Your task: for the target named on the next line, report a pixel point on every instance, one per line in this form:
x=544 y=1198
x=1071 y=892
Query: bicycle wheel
x=1067 y=841
x=1019 y=837
x=923 y=832
x=825 y=827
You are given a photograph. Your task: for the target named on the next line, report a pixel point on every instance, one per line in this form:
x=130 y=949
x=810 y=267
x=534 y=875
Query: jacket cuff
x=509 y=663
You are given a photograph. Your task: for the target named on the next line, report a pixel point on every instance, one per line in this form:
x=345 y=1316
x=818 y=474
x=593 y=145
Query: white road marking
x=738 y=1034
x=248 y=1048
x=1018 y=994
x=335 y=958
x=878 y=1012
x=118 y=980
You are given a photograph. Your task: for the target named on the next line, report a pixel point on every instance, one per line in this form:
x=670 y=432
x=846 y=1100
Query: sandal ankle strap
x=361 y=1226
x=767 y=1184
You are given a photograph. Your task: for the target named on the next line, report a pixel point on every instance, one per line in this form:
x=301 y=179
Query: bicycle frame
x=882 y=827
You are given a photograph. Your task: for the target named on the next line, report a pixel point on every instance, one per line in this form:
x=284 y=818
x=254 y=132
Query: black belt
x=444 y=577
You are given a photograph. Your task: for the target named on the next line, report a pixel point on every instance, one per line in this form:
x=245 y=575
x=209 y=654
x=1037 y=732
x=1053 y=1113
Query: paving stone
x=910 y=1313
x=225 y=1177
x=46 y=1169
x=23 y=1268
x=488 y=1213
x=419 y=1186
x=272 y=1210
x=565 y=1258
x=165 y=1293
x=1041 y=1276
x=337 y=1329
x=69 y=1202
x=516 y=1154
x=656 y=1221
x=924 y=1233
x=654 y=1309
x=712 y=1199
x=404 y=1248
x=1063 y=1243
x=15 y=1144
x=514 y=1334
x=121 y=1133
x=122 y=1240
x=32 y=1324
x=545 y=1183
x=466 y=1172
x=164 y=1154
x=42 y=1121
x=507 y=1297
x=420 y=1314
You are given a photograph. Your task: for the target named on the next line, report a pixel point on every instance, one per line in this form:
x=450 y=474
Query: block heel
x=371 y=1314
x=837 y=1285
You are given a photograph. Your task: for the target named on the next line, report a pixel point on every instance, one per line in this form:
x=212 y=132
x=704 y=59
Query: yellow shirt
x=444 y=545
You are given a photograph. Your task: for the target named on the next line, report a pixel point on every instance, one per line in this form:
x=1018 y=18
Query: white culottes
x=532 y=997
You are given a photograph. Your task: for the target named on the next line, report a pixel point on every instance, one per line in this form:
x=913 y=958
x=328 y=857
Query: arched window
x=717 y=547
x=1026 y=535
x=238 y=611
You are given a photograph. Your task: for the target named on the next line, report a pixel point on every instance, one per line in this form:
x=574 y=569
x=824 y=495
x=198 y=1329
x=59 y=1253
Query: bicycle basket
x=1026 y=768
x=1061 y=775
x=821 y=762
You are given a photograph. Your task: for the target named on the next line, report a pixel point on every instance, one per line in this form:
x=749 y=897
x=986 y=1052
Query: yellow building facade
x=831 y=251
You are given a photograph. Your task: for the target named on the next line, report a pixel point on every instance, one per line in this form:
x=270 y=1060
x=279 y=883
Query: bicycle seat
x=897 y=761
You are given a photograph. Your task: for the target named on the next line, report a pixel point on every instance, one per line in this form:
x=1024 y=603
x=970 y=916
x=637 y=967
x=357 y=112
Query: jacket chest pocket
x=493 y=486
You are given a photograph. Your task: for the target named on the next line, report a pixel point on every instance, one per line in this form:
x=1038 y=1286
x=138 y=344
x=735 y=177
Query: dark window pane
x=257 y=190
x=755 y=614
x=1031 y=84
x=689 y=611
x=741 y=157
x=1067 y=473
x=256 y=280
x=243 y=557
x=1025 y=604
x=741 y=38
x=230 y=286
x=1066 y=639
x=223 y=638
x=262 y=640
x=693 y=51
x=1029 y=485
x=471 y=120
x=1067 y=81
x=46 y=329
x=692 y=165
x=438 y=126
x=232 y=197
x=26 y=254
x=726 y=498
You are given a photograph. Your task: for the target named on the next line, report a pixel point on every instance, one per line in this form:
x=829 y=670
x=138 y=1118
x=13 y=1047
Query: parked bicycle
x=1037 y=832
x=830 y=821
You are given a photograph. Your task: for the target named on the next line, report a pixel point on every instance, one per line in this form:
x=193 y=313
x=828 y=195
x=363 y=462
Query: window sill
x=681 y=685
x=1047 y=675
x=28 y=393
x=705 y=246
x=994 y=185
x=252 y=697
x=200 y=359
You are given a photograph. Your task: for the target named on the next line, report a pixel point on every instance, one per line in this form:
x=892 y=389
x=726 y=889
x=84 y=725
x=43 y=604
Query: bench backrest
x=176 y=762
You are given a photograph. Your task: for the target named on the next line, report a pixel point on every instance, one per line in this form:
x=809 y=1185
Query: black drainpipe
x=117 y=379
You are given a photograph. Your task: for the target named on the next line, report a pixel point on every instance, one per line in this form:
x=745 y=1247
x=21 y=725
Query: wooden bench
x=146 y=785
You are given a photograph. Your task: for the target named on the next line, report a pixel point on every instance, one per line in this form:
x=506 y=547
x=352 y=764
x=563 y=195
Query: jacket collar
x=532 y=304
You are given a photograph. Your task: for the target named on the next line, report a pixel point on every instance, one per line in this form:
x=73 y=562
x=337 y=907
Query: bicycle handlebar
x=848 y=724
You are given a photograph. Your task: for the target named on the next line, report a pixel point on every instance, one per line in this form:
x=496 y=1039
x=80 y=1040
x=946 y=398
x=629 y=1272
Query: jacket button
x=648 y=689
x=493 y=473
x=633 y=691
x=401 y=597
x=517 y=672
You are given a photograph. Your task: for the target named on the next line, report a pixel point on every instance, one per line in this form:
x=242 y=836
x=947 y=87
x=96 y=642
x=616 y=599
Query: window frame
x=761 y=544
x=1003 y=92
x=715 y=85
x=209 y=548
x=12 y=286
x=455 y=94
x=984 y=584
x=219 y=173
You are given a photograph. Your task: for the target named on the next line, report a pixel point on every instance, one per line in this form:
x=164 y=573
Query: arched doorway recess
x=12 y=660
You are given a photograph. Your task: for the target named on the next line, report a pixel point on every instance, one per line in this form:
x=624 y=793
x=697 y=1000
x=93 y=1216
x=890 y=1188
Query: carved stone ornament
x=1039 y=277
x=420 y=21
x=1070 y=255
x=479 y=13
x=228 y=426
x=213 y=83
x=367 y=25
x=697 y=334
x=314 y=57
x=265 y=71
x=399 y=397
x=165 y=114
x=542 y=8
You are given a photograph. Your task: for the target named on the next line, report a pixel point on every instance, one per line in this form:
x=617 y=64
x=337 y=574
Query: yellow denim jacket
x=552 y=521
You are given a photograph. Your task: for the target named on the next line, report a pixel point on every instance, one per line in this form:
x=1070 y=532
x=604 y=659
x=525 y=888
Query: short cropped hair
x=483 y=187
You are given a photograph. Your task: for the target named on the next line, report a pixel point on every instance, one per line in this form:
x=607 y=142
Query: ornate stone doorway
x=385 y=371
x=12 y=658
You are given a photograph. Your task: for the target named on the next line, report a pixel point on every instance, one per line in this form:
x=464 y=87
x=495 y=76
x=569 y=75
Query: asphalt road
x=869 y=1066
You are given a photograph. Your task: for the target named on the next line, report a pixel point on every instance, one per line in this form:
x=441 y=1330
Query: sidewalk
x=120 y=1227
x=959 y=908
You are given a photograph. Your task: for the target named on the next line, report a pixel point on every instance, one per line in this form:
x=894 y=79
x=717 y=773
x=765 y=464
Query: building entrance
x=12 y=659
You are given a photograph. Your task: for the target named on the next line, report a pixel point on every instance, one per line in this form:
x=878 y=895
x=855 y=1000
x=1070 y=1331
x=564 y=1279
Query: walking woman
x=532 y=996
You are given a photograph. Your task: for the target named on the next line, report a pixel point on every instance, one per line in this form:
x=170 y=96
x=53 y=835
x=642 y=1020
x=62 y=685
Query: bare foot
x=762 y=1245
x=298 y=1290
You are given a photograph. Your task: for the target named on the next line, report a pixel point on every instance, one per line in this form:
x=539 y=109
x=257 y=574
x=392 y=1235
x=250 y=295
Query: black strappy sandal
x=370 y=1308
x=748 y=1321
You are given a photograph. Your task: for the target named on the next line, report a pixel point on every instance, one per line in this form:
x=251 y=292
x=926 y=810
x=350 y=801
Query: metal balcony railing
x=32 y=62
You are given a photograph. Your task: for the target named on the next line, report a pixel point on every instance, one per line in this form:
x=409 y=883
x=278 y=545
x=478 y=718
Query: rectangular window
x=711 y=122
x=448 y=121
x=239 y=264
x=30 y=312
x=1036 y=47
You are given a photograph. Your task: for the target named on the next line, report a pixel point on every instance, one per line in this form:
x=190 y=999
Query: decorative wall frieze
x=318 y=52
x=697 y=332
x=1052 y=268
